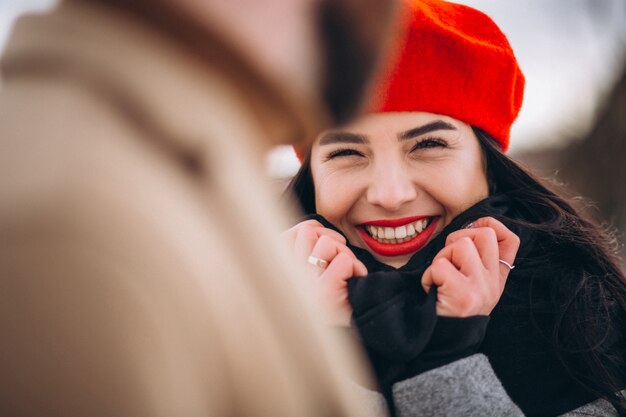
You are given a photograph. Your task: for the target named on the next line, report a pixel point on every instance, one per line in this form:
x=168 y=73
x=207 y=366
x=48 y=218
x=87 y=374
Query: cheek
x=329 y=198
x=476 y=189
x=460 y=187
x=333 y=198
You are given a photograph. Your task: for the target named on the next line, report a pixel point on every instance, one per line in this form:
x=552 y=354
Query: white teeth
x=400 y=232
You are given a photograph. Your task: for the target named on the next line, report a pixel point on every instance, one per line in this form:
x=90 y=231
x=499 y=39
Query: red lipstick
x=398 y=249
x=395 y=222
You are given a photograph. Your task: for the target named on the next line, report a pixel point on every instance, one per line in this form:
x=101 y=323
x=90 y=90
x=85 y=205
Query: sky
x=570 y=51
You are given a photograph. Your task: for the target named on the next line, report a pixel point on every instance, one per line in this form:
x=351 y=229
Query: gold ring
x=320 y=263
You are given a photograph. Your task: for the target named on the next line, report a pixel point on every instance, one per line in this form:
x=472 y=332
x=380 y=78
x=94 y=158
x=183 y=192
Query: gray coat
x=465 y=388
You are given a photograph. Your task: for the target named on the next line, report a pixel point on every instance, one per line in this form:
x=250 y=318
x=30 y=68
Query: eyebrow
x=343 y=137
x=427 y=128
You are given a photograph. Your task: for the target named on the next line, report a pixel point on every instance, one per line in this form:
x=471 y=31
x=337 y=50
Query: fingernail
x=469 y=225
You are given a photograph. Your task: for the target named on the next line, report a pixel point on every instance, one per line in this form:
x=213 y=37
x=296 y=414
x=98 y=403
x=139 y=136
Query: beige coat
x=140 y=273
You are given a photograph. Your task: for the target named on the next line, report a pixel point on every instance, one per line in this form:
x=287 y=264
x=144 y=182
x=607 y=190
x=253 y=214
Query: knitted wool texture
x=453 y=60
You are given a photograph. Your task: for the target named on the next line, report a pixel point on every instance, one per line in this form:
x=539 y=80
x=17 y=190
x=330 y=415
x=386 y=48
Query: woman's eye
x=429 y=143
x=343 y=152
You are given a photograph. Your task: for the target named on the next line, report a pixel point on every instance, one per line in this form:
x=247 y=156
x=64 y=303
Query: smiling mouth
x=400 y=234
x=398 y=237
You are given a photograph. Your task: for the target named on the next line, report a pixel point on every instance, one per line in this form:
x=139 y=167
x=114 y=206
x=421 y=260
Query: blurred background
x=572 y=126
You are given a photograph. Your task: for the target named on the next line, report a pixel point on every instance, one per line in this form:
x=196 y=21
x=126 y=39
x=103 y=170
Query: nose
x=390 y=187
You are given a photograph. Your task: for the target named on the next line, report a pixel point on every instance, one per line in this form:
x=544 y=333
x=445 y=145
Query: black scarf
x=403 y=336
x=396 y=318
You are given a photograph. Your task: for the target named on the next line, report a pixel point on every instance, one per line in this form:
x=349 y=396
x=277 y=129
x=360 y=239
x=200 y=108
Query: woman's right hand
x=311 y=239
x=467 y=271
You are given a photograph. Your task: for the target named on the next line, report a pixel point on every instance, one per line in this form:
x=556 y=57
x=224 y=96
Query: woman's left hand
x=468 y=272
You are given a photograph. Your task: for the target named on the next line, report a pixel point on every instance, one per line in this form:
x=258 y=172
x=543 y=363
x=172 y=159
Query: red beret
x=453 y=60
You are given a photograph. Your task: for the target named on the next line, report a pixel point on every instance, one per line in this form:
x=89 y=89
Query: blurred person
x=442 y=251
x=138 y=276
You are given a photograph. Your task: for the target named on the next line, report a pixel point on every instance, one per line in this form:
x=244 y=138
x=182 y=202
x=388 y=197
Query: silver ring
x=505 y=263
x=320 y=263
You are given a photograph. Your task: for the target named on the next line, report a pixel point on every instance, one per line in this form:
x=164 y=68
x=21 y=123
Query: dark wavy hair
x=591 y=304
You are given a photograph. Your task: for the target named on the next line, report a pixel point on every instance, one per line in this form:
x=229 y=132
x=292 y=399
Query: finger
x=342 y=268
x=327 y=248
x=439 y=273
x=291 y=234
x=338 y=272
x=487 y=285
x=308 y=237
x=333 y=280
x=305 y=242
x=322 y=230
x=455 y=287
x=508 y=243
x=360 y=270
x=486 y=243
x=464 y=256
x=427 y=279
x=332 y=290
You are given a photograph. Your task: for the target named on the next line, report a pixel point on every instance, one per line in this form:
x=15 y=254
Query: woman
x=419 y=200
